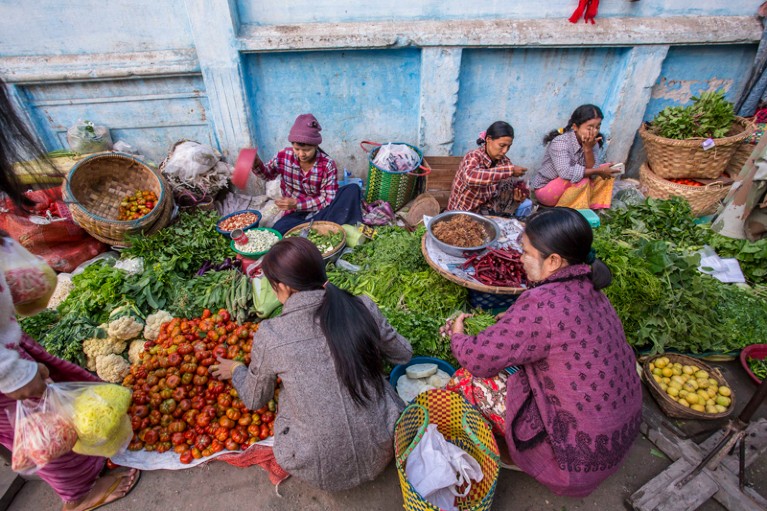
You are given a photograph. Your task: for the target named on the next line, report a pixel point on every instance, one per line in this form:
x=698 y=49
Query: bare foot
x=111 y=486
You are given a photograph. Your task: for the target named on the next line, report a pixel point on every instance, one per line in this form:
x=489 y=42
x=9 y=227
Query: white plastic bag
x=436 y=469
x=84 y=137
x=396 y=158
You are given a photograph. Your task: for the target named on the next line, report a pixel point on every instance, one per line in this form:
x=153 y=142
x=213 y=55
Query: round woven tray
x=703 y=199
x=97 y=184
x=671 y=158
x=468 y=284
x=322 y=227
x=671 y=407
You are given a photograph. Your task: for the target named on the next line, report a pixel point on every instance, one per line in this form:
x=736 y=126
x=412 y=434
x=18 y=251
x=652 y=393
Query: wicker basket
x=396 y=188
x=671 y=158
x=97 y=184
x=703 y=199
x=460 y=424
x=671 y=407
x=323 y=228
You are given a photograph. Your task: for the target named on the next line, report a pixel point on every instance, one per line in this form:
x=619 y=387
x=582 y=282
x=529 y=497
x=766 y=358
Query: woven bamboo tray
x=671 y=407
x=97 y=184
x=468 y=284
x=671 y=158
x=322 y=227
x=703 y=199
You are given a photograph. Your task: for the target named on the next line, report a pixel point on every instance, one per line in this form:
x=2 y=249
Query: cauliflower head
x=134 y=350
x=112 y=368
x=125 y=328
x=154 y=322
x=95 y=348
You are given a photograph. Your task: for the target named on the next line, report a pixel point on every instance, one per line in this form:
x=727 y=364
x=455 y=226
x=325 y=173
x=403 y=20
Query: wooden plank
x=656 y=495
x=440 y=181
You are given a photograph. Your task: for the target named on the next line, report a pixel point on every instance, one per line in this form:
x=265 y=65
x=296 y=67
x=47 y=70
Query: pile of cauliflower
x=105 y=355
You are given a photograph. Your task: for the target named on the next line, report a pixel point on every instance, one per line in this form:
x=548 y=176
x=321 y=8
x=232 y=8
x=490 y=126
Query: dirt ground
x=221 y=486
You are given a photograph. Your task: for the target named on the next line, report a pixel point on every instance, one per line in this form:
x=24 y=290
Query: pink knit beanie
x=306 y=130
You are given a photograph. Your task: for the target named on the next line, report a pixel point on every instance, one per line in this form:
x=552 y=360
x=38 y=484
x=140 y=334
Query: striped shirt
x=312 y=190
x=477 y=180
x=564 y=158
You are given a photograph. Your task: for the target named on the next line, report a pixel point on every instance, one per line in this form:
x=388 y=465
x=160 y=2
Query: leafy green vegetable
x=758 y=367
x=392 y=246
x=752 y=255
x=97 y=290
x=38 y=325
x=478 y=322
x=65 y=338
x=183 y=247
x=709 y=115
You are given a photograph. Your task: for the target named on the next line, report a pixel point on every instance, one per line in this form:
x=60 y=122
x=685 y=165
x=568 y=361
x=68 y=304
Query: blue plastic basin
x=399 y=370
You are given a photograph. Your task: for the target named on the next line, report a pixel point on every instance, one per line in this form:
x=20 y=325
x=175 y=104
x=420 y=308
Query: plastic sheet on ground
x=144 y=460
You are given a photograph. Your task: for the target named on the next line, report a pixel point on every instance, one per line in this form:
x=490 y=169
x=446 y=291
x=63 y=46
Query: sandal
x=119 y=478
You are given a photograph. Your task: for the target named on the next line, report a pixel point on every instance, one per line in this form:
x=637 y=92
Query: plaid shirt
x=564 y=158
x=313 y=190
x=477 y=179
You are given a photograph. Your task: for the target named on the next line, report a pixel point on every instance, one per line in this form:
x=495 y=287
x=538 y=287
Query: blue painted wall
x=535 y=90
x=264 y=12
x=357 y=94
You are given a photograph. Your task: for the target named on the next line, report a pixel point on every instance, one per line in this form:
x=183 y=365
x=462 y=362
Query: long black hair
x=497 y=130
x=16 y=145
x=349 y=327
x=582 y=114
x=566 y=232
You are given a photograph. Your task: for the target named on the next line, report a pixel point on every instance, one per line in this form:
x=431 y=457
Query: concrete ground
x=221 y=486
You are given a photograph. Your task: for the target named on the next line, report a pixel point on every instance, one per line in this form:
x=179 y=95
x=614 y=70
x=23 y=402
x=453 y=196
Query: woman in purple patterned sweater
x=574 y=403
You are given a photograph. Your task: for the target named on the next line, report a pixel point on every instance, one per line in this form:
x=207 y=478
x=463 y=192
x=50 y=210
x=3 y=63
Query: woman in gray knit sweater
x=335 y=425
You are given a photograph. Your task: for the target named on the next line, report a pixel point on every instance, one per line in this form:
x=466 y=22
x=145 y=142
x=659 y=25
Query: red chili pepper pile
x=498 y=267
x=178 y=405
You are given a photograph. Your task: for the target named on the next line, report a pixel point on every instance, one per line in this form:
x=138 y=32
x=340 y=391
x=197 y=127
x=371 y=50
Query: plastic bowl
x=251 y=226
x=492 y=232
x=399 y=369
x=256 y=255
x=757 y=351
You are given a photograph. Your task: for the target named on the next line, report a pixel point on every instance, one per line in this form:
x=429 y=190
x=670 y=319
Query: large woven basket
x=460 y=424
x=703 y=199
x=97 y=184
x=671 y=158
x=671 y=407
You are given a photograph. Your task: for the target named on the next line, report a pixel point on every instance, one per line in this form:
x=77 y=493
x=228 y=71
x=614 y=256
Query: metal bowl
x=492 y=232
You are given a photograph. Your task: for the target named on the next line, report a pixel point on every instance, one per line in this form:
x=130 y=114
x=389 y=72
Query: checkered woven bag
x=460 y=424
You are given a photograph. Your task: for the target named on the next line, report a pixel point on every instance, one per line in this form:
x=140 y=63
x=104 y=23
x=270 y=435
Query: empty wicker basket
x=97 y=184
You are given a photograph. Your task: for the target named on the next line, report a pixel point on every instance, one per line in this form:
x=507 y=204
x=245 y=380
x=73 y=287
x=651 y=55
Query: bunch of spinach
x=65 y=338
x=709 y=115
x=97 y=290
x=182 y=247
x=38 y=325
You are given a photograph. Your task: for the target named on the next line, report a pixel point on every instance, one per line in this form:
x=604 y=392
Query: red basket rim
x=753 y=351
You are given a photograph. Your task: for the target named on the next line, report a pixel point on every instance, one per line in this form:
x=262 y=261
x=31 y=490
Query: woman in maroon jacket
x=556 y=374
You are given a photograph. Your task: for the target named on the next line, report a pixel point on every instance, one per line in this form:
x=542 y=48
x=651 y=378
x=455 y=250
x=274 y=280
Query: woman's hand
x=519 y=195
x=34 y=388
x=224 y=369
x=590 y=139
x=286 y=203
x=454 y=325
x=517 y=170
x=606 y=170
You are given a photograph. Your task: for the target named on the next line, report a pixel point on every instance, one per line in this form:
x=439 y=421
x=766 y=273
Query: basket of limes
x=687 y=388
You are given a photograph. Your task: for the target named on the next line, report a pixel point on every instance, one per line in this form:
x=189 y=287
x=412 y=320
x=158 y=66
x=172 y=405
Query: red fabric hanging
x=587 y=9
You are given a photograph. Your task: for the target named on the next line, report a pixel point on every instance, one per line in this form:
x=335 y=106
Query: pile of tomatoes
x=178 y=405
x=137 y=205
x=685 y=181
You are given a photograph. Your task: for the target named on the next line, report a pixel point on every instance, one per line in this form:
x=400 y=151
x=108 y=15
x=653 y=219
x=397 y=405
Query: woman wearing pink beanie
x=309 y=180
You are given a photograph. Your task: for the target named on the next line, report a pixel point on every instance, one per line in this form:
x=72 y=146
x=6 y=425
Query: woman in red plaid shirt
x=476 y=181
x=309 y=180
